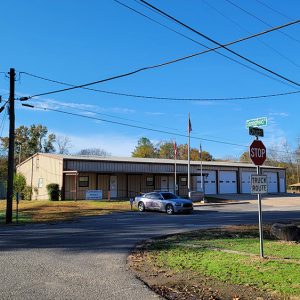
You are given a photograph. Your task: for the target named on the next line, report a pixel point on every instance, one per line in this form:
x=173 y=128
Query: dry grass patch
x=53 y=211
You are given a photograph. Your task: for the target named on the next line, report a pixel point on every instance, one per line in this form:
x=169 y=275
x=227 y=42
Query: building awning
x=71 y=173
x=295 y=185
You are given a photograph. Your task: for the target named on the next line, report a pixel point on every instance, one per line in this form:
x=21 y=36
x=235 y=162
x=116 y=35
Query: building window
x=40 y=183
x=83 y=181
x=149 y=181
x=183 y=181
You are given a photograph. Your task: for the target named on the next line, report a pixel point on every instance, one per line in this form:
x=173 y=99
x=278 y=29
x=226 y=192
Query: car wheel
x=141 y=206
x=170 y=209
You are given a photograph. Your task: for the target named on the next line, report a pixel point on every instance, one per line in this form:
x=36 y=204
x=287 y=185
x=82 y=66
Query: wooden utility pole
x=11 y=147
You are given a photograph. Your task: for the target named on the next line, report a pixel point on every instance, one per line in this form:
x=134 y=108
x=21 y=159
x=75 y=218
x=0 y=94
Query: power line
x=274 y=10
x=133 y=126
x=140 y=127
x=223 y=46
x=187 y=37
x=160 y=65
x=107 y=115
x=167 y=98
x=261 y=20
x=248 y=32
x=2 y=124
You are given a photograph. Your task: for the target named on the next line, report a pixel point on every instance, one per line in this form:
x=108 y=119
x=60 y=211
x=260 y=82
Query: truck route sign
x=259 y=184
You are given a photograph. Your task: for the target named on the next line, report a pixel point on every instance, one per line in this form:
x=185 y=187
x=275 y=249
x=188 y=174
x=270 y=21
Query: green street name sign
x=256 y=122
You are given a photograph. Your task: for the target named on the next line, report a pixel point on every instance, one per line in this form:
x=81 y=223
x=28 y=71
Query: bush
x=19 y=184
x=53 y=191
x=27 y=193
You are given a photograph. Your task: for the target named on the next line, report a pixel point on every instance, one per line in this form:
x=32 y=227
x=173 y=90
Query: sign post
x=258 y=155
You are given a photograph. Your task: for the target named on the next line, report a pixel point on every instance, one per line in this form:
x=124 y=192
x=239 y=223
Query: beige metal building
x=121 y=178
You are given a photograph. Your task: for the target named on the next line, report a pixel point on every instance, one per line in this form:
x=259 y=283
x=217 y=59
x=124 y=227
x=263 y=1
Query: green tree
x=166 y=150
x=145 y=148
x=30 y=140
x=3 y=168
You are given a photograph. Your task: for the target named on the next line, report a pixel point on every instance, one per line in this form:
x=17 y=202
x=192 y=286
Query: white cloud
x=155 y=113
x=92 y=110
x=279 y=114
x=115 y=144
x=205 y=102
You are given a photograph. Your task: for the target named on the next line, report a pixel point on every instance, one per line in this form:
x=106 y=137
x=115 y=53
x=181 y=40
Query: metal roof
x=151 y=160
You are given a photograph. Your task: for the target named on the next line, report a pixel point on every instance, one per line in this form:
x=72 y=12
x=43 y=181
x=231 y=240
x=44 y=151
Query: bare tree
x=94 y=152
x=63 y=144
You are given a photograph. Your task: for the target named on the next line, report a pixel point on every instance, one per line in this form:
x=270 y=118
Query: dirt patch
x=188 y=285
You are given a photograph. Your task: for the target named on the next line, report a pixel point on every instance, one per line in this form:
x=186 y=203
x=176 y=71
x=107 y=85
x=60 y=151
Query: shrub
x=27 y=193
x=19 y=184
x=53 y=191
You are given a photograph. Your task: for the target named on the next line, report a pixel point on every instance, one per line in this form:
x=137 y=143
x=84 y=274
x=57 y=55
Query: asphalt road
x=86 y=259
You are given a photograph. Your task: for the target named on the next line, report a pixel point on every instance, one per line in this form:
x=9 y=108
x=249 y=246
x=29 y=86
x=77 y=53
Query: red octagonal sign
x=258 y=153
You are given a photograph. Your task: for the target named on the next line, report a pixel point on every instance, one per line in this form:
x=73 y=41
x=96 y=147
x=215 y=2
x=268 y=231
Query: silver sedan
x=163 y=201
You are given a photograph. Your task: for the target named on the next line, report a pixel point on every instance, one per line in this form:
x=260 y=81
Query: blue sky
x=82 y=41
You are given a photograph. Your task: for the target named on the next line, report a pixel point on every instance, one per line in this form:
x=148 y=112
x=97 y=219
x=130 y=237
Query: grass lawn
x=231 y=257
x=36 y=211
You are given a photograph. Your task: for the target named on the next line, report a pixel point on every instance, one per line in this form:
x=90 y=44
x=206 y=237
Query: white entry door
x=228 y=182
x=113 y=186
x=171 y=184
x=164 y=184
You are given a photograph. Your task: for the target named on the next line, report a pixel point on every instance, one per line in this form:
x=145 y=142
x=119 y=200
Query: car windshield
x=168 y=196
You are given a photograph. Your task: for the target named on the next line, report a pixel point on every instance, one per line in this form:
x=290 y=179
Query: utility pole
x=11 y=146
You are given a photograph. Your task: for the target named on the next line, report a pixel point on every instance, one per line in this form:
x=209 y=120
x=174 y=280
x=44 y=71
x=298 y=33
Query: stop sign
x=258 y=153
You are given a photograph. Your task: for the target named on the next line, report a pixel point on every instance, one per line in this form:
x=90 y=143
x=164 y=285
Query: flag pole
x=175 y=157
x=201 y=170
x=189 y=139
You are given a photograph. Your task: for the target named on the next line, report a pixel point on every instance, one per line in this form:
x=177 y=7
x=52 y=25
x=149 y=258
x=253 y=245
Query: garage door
x=227 y=182
x=246 y=182
x=209 y=182
x=272 y=182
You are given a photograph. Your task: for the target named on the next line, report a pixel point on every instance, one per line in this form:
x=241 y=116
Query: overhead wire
x=131 y=125
x=103 y=114
x=222 y=46
x=248 y=32
x=2 y=124
x=187 y=37
x=261 y=20
x=167 y=98
x=141 y=127
x=274 y=10
x=161 y=64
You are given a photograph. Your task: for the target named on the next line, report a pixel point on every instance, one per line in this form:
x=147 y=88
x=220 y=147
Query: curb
x=219 y=203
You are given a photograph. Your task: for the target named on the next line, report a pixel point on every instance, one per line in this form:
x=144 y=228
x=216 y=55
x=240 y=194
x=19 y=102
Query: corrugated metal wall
x=137 y=168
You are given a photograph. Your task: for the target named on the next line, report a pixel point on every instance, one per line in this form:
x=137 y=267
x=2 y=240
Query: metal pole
x=201 y=170
x=11 y=148
x=189 y=140
x=175 y=179
x=261 y=238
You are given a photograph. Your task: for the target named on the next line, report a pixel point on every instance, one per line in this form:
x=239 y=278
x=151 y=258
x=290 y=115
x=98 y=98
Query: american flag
x=189 y=126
